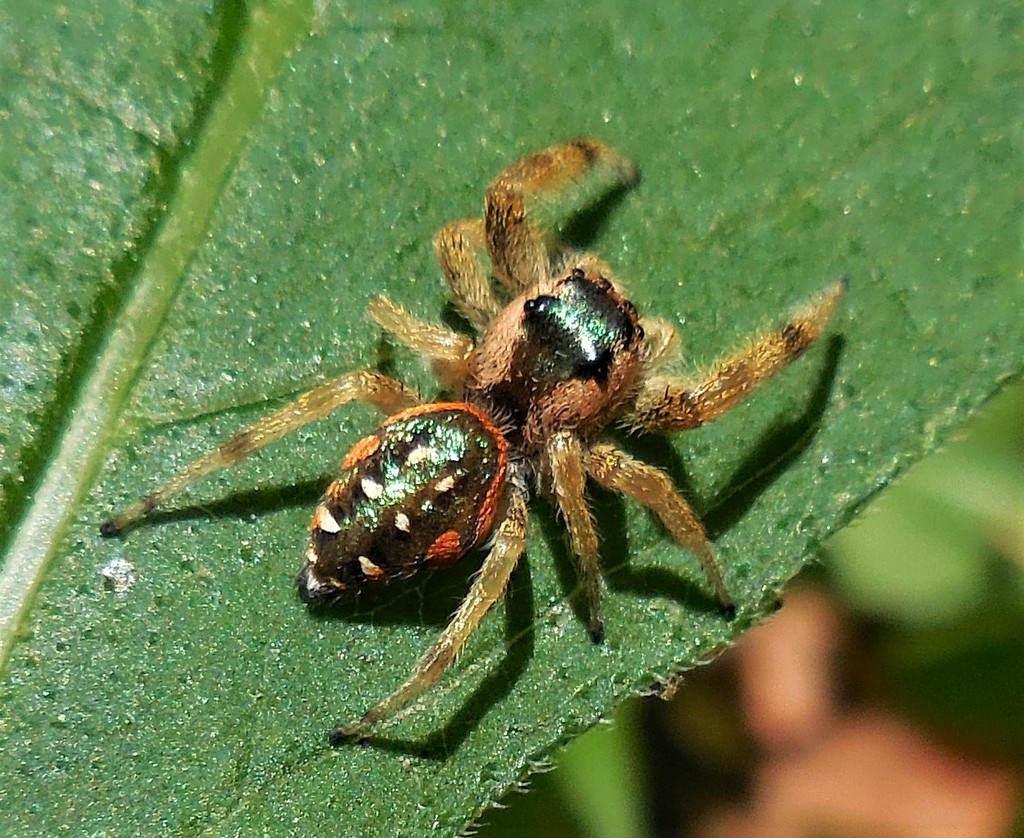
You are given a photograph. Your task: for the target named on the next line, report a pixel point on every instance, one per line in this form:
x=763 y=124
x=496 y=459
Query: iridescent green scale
x=423 y=489
x=574 y=331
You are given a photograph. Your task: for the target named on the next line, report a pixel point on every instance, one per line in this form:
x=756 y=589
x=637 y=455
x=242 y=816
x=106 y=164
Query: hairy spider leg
x=569 y=478
x=614 y=469
x=523 y=203
x=386 y=394
x=488 y=587
x=447 y=350
x=671 y=403
x=461 y=249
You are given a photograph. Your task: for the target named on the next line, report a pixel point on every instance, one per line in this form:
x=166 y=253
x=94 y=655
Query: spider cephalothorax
x=560 y=356
x=564 y=355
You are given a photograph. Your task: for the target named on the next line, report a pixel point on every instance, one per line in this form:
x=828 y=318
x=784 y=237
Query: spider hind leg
x=488 y=587
x=385 y=393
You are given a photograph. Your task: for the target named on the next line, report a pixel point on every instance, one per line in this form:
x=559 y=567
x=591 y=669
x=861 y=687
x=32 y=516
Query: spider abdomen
x=422 y=490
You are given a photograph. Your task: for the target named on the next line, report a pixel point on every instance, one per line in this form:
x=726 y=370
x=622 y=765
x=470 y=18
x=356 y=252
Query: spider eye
x=539 y=305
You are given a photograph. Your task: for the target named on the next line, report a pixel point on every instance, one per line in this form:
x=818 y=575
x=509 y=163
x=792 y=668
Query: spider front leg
x=522 y=204
x=461 y=249
x=384 y=393
x=488 y=587
x=669 y=403
x=614 y=469
x=447 y=350
x=569 y=479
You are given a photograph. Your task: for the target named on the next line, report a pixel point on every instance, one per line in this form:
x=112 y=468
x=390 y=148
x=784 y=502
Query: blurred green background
x=930 y=581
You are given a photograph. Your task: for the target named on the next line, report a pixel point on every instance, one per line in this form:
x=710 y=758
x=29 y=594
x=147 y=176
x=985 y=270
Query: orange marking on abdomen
x=489 y=505
x=447 y=547
x=360 y=451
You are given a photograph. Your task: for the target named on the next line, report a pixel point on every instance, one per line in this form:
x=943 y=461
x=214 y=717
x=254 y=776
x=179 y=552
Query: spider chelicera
x=560 y=356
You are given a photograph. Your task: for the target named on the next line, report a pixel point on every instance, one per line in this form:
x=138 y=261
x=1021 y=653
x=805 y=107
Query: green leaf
x=197 y=206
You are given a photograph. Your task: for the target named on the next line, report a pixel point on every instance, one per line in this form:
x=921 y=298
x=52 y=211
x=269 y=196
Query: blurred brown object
x=823 y=769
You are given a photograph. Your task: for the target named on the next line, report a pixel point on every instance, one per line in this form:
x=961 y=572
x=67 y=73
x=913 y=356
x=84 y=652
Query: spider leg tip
x=350 y=734
x=110 y=529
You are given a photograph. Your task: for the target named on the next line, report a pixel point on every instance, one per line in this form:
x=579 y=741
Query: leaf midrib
x=268 y=37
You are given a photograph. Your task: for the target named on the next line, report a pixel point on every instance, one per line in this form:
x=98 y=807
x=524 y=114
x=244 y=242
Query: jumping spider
x=560 y=356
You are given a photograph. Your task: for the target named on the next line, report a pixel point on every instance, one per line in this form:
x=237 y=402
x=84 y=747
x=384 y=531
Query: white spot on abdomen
x=371 y=488
x=324 y=520
x=369 y=568
x=419 y=454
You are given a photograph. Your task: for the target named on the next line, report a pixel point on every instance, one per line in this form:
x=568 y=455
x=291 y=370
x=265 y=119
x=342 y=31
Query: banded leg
x=448 y=350
x=569 y=478
x=488 y=587
x=524 y=202
x=461 y=249
x=384 y=393
x=668 y=403
x=617 y=470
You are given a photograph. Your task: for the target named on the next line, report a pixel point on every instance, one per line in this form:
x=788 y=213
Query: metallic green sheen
x=444 y=435
x=432 y=473
x=574 y=331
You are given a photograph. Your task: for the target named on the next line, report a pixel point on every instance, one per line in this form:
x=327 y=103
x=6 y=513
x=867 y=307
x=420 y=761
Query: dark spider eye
x=539 y=305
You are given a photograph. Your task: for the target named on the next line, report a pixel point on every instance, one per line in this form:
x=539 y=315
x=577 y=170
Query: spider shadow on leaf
x=778 y=446
x=427 y=599
x=242 y=505
x=581 y=229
